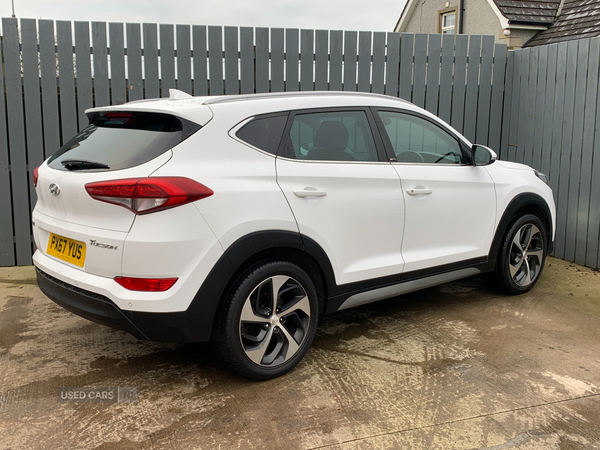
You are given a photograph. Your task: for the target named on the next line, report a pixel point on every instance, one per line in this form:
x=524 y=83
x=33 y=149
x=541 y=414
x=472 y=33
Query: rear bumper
x=91 y=306
x=185 y=326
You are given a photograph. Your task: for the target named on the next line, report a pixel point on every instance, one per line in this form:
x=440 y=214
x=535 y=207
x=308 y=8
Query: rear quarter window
x=118 y=140
x=263 y=132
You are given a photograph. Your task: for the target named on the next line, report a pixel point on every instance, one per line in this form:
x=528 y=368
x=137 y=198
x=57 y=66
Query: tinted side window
x=416 y=140
x=264 y=133
x=331 y=136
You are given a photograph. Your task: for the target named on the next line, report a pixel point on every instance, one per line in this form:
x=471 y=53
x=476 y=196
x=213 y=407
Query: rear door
x=343 y=193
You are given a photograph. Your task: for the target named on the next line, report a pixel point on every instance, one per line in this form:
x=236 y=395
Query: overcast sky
x=377 y=15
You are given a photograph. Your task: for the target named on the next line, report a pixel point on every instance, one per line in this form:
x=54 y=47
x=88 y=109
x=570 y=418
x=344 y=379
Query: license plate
x=68 y=250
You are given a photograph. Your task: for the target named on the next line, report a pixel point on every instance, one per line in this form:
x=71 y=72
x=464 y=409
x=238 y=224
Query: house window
x=448 y=23
x=447 y=20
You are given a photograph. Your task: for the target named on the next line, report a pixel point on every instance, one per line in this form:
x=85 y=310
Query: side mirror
x=482 y=155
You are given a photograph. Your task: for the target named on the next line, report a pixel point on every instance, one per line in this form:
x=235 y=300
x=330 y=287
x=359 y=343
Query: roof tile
x=578 y=19
x=532 y=12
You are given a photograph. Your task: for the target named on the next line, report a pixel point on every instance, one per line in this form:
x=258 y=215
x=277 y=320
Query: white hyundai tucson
x=243 y=220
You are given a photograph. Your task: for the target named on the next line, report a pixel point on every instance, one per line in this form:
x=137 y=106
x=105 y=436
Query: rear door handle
x=308 y=192
x=419 y=191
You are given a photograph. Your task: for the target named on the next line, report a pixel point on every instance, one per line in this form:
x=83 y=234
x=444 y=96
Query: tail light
x=146 y=195
x=35 y=176
x=146 y=284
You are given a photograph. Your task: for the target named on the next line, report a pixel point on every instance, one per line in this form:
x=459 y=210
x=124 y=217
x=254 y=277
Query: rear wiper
x=82 y=164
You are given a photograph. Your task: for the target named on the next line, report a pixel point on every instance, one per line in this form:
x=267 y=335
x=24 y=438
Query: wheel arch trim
x=514 y=209
x=246 y=247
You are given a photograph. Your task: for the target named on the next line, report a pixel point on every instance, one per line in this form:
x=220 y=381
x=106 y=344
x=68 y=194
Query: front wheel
x=522 y=255
x=268 y=321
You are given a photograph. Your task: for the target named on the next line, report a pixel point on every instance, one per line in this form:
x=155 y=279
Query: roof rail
x=271 y=95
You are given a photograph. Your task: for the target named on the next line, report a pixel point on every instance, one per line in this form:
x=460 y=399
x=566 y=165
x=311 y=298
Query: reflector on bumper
x=146 y=284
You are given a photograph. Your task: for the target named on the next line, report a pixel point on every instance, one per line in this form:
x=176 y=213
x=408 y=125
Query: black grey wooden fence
x=53 y=71
x=538 y=106
x=552 y=122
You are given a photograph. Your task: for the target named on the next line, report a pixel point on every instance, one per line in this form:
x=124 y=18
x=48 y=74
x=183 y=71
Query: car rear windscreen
x=118 y=140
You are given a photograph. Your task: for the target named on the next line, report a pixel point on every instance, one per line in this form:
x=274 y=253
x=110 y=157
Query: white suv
x=243 y=220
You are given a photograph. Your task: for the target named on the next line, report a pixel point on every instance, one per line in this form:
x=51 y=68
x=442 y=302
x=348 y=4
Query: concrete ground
x=452 y=367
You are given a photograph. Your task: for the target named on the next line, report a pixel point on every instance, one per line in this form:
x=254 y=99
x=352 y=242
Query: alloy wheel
x=274 y=321
x=526 y=255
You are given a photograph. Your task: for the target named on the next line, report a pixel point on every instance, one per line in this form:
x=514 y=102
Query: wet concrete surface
x=452 y=367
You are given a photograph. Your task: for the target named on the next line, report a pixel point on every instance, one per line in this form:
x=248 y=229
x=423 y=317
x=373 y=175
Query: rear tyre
x=268 y=320
x=522 y=255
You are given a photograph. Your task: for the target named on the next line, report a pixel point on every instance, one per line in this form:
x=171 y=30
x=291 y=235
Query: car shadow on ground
x=118 y=354
x=362 y=321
